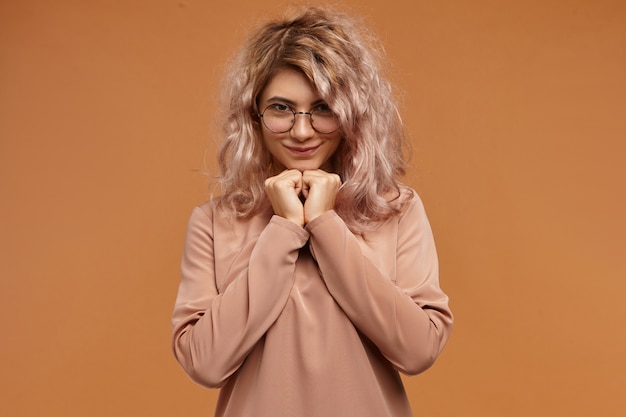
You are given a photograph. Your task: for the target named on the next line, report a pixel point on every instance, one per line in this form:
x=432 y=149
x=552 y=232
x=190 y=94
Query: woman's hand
x=320 y=189
x=283 y=191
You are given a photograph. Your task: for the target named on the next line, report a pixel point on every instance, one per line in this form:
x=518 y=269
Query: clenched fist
x=317 y=187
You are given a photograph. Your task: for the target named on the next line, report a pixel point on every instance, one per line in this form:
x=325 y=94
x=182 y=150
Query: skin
x=302 y=157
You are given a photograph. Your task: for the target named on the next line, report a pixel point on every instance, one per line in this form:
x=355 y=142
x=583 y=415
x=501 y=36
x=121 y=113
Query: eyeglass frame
x=293 y=120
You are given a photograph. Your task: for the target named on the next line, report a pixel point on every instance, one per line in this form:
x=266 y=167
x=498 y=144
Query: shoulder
x=404 y=198
x=208 y=207
x=214 y=208
x=203 y=215
x=217 y=218
x=410 y=208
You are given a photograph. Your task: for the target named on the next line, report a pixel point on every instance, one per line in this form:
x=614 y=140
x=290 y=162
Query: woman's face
x=301 y=147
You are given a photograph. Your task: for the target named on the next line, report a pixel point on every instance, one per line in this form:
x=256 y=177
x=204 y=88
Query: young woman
x=312 y=281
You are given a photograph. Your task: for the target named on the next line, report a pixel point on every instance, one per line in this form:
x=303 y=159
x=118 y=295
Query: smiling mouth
x=308 y=151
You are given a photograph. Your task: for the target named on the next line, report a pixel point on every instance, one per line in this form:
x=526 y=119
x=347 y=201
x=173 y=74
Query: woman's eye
x=281 y=107
x=322 y=108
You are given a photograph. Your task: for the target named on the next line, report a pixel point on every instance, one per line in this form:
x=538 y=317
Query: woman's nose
x=302 y=128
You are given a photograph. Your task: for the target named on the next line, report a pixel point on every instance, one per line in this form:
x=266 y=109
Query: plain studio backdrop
x=516 y=111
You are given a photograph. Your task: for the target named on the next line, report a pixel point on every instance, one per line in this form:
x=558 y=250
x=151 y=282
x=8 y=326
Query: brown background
x=516 y=110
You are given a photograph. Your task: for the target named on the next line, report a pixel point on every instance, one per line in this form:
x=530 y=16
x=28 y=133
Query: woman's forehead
x=290 y=86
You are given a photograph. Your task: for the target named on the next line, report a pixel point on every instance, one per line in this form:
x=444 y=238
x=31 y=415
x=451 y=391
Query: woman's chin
x=309 y=166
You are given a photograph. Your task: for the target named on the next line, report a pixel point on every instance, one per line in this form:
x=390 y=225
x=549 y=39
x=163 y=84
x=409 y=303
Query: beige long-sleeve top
x=313 y=321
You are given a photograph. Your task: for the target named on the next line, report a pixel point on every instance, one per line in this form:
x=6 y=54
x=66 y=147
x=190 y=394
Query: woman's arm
x=214 y=332
x=406 y=317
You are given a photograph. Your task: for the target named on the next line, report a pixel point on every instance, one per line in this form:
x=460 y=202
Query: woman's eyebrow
x=282 y=100
x=291 y=102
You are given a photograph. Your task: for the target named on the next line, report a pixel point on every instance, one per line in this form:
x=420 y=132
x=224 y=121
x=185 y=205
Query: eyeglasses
x=280 y=118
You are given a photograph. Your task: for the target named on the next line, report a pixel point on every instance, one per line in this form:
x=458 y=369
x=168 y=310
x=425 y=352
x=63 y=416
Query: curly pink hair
x=341 y=60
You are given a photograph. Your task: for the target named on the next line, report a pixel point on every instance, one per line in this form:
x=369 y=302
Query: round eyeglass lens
x=280 y=119
x=324 y=121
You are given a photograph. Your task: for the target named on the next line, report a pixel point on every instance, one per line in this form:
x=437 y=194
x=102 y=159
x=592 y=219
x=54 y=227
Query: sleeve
x=406 y=317
x=214 y=332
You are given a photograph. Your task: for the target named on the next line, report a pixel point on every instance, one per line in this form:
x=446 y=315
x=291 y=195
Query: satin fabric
x=314 y=321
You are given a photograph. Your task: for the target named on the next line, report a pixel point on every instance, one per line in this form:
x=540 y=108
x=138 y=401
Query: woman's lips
x=304 y=151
